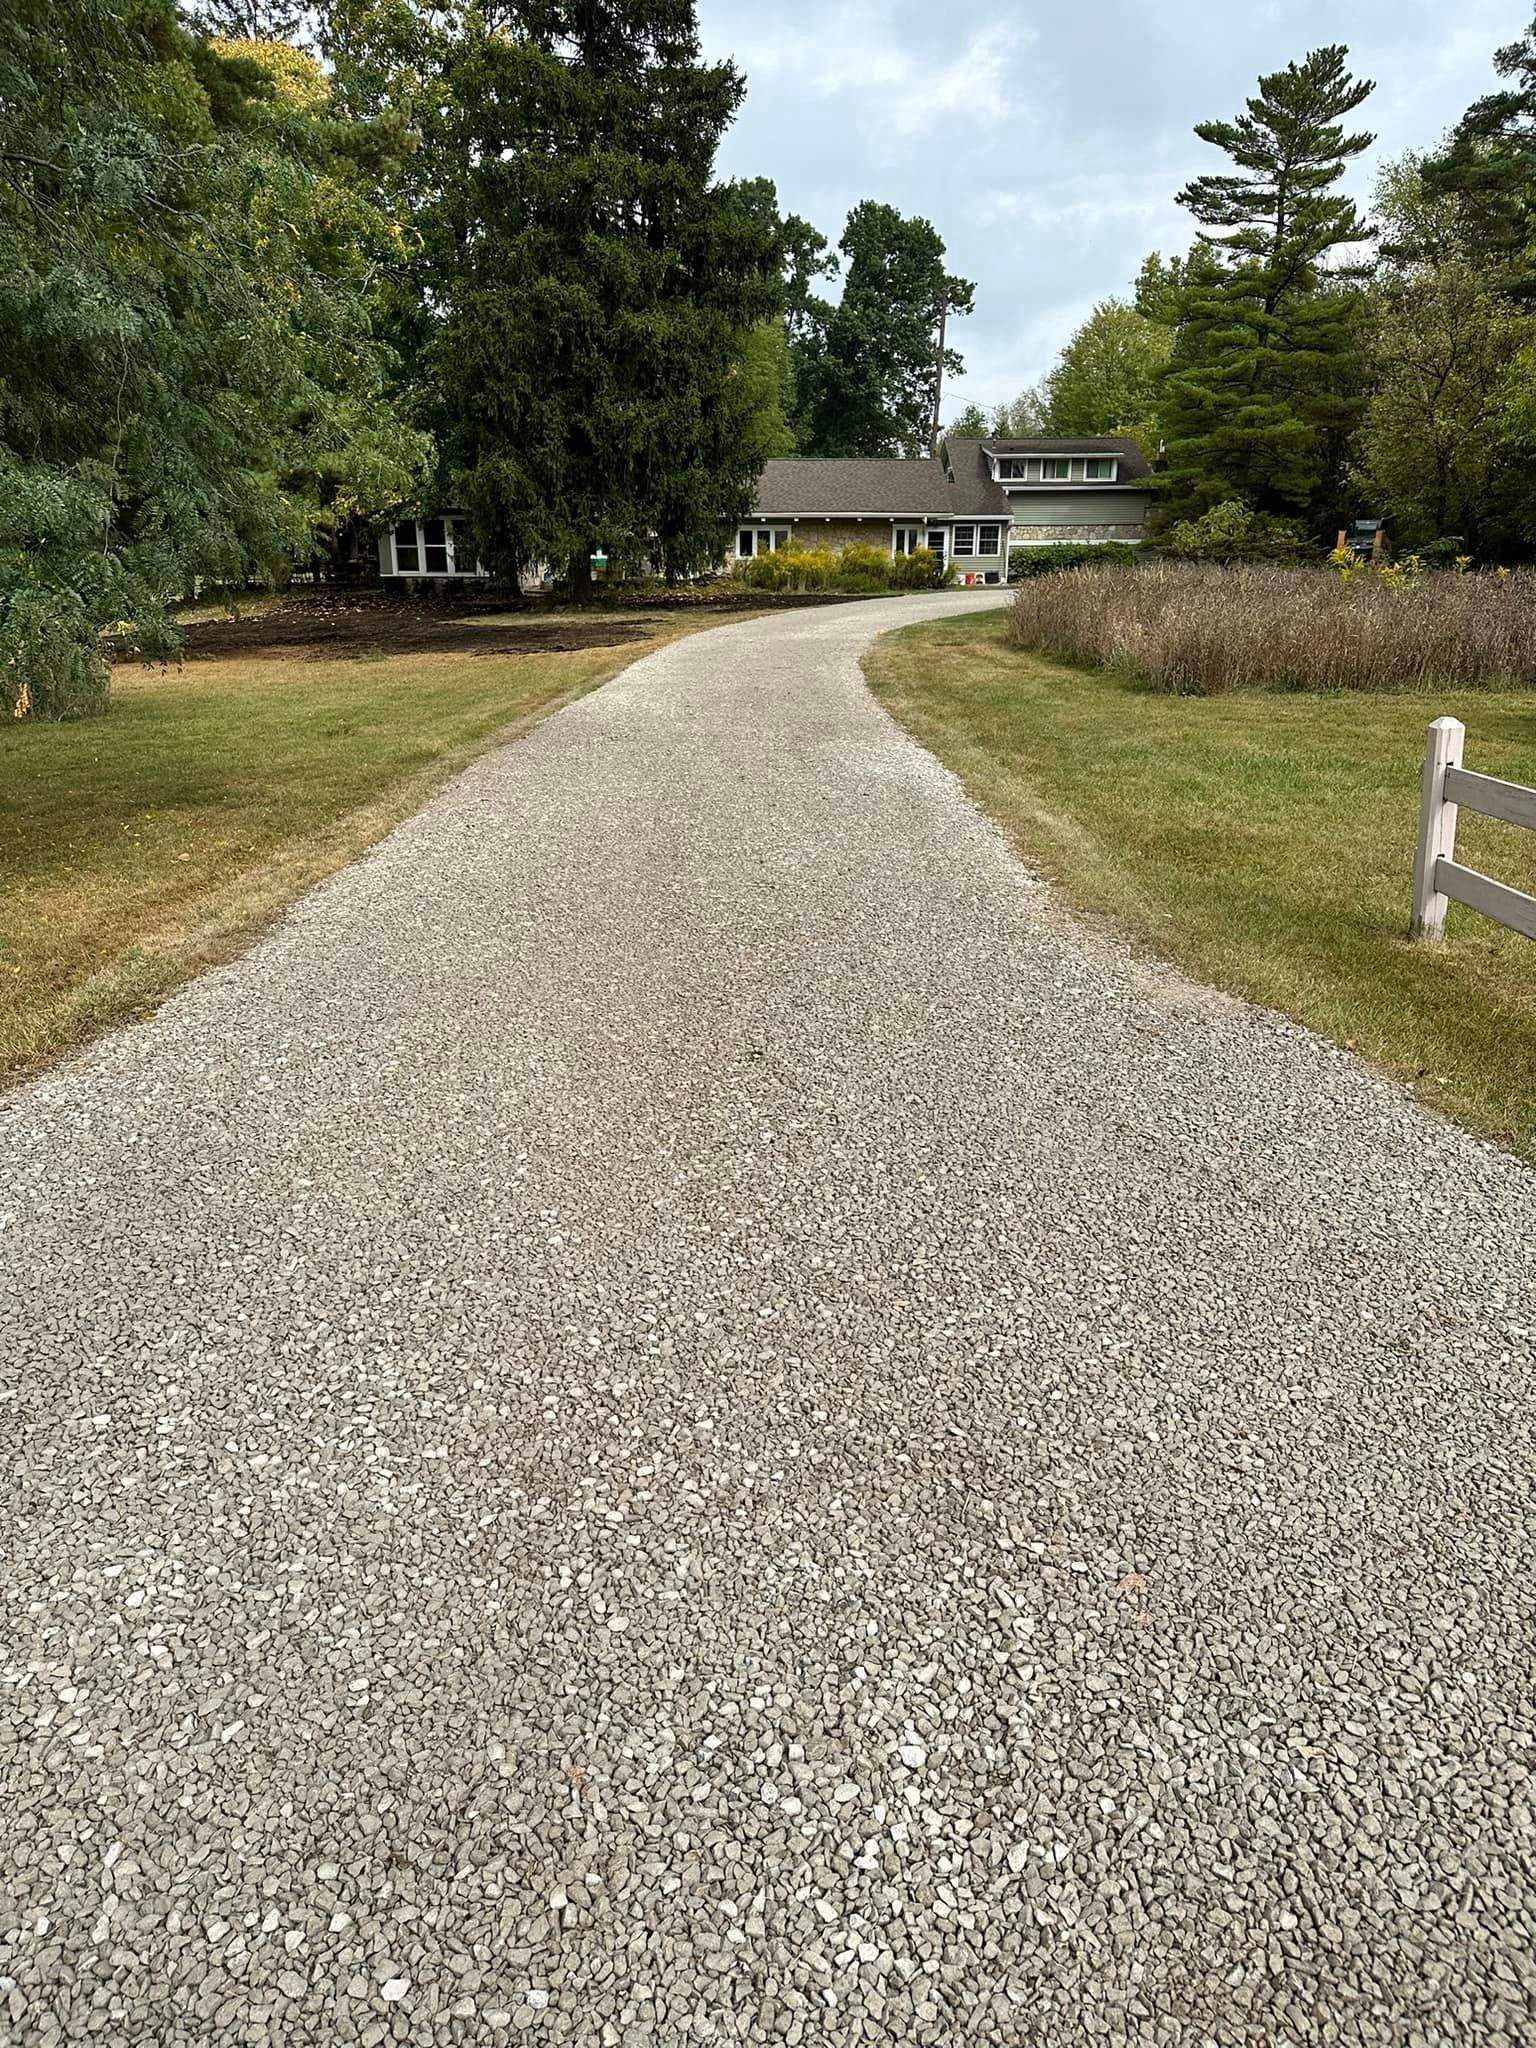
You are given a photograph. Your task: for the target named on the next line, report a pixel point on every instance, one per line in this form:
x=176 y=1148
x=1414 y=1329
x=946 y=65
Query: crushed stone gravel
x=679 y=1413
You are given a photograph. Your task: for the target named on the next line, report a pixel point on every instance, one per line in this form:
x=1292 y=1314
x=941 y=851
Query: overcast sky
x=1046 y=147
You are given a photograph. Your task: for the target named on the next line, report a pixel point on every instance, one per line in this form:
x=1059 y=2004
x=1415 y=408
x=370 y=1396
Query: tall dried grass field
x=1200 y=630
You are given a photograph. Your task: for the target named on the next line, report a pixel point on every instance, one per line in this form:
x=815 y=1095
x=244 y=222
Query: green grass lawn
x=142 y=846
x=1264 y=842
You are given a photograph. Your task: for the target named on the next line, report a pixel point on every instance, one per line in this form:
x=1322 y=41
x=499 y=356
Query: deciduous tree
x=1107 y=378
x=865 y=373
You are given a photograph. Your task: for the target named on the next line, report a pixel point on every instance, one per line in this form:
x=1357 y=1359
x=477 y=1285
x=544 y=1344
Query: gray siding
x=1082 y=506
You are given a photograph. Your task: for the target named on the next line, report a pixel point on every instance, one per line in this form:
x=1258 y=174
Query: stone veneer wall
x=1025 y=536
x=838 y=533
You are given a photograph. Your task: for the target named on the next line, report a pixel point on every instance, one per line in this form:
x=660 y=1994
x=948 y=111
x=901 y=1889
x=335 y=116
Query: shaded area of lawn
x=137 y=848
x=1263 y=841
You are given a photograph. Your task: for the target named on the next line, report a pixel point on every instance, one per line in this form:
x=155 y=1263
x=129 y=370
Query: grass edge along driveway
x=1263 y=842
x=140 y=848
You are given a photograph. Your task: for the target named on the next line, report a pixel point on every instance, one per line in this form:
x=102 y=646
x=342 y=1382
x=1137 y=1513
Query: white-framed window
x=989 y=540
x=1100 y=469
x=432 y=547
x=760 y=540
x=1012 y=469
x=906 y=540
x=1056 y=469
x=965 y=540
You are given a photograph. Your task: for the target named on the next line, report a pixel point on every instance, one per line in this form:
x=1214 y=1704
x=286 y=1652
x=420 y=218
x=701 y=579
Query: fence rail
x=1439 y=878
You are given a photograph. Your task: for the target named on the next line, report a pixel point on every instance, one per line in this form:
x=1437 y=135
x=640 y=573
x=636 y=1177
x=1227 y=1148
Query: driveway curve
x=679 y=1413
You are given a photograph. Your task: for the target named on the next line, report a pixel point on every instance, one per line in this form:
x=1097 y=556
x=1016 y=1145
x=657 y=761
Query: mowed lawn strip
x=1262 y=841
x=138 y=848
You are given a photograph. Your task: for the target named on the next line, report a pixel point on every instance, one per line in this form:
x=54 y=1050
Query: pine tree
x=1264 y=384
x=591 y=286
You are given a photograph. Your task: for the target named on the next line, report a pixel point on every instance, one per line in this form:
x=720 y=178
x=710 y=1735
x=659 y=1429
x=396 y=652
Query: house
x=968 y=503
x=894 y=504
x=1091 y=490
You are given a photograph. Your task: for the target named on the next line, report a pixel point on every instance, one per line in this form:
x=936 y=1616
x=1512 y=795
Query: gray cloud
x=1045 y=142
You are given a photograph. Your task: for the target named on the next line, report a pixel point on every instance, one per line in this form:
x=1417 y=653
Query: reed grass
x=1200 y=630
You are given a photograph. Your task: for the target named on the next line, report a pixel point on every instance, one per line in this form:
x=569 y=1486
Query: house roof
x=843 y=486
x=1133 y=463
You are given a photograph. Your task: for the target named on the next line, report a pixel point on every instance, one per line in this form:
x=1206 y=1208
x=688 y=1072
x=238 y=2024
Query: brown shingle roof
x=843 y=486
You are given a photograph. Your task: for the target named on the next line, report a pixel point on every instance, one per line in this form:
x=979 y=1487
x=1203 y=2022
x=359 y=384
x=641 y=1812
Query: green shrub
x=1069 y=554
x=855 y=571
x=865 y=564
x=1230 y=532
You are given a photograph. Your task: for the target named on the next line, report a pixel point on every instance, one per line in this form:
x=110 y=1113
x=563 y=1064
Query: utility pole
x=938 y=380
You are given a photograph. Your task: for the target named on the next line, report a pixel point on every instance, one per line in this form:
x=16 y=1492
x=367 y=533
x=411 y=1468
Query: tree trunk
x=581 y=576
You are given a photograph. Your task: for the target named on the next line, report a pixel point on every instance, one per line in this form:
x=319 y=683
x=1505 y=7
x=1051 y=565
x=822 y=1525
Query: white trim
x=778 y=536
x=453 y=534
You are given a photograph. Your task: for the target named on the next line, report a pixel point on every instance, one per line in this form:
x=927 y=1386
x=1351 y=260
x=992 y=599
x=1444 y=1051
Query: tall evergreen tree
x=590 y=284
x=866 y=368
x=1264 y=384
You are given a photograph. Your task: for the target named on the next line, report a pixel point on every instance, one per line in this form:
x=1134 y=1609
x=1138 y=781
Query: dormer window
x=1100 y=469
x=1056 y=469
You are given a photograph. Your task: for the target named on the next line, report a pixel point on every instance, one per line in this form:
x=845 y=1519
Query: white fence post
x=1437 y=827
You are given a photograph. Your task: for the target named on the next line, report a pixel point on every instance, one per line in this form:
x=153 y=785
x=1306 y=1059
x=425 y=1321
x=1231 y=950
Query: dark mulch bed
x=329 y=625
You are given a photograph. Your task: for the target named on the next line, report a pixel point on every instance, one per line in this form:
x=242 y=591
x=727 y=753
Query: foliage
x=1442 y=450
x=970 y=424
x=592 y=286
x=1020 y=418
x=855 y=569
x=266 y=21
x=1488 y=172
x=865 y=368
x=1106 y=379
x=1263 y=387
x=181 y=330
x=1201 y=630
x=1230 y=532
x=1053 y=558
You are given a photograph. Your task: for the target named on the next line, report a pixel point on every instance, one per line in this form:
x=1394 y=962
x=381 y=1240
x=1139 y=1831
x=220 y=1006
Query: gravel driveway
x=679 y=1414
